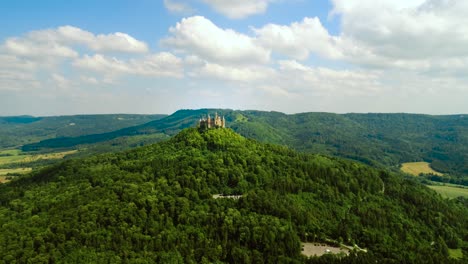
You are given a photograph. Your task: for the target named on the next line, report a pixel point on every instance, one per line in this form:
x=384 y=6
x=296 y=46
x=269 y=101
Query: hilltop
x=154 y=204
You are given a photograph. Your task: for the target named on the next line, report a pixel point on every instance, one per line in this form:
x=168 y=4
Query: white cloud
x=387 y=54
x=10 y=62
x=59 y=43
x=303 y=79
x=120 y=42
x=404 y=34
x=30 y=48
x=234 y=73
x=16 y=73
x=177 y=7
x=11 y=80
x=299 y=39
x=346 y=5
x=40 y=60
x=239 y=8
x=275 y=90
x=89 y=79
x=156 y=65
x=199 y=36
x=61 y=81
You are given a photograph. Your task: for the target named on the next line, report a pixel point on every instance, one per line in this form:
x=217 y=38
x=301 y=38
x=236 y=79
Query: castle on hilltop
x=212 y=122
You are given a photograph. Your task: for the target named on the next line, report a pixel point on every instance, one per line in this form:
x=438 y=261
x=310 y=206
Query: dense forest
x=375 y=139
x=19 y=130
x=154 y=204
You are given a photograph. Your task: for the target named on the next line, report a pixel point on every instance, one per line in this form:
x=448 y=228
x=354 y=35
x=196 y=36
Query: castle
x=215 y=122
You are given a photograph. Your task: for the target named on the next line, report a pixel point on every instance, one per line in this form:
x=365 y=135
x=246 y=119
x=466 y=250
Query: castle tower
x=217 y=121
x=209 y=122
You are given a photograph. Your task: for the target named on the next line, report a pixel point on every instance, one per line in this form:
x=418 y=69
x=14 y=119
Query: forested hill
x=155 y=204
x=19 y=130
x=376 y=139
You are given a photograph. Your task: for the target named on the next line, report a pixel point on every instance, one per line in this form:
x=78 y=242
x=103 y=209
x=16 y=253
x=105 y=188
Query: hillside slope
x=375 y=139
x=18 y=130
x=155 y=205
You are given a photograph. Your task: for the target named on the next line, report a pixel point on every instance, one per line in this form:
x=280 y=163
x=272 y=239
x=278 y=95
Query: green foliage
x=154 y=205
x=18 y=130
x=376 y=139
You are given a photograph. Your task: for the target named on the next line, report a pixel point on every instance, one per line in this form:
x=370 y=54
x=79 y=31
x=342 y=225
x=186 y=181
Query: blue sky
x=147 y=20
x=142 y=56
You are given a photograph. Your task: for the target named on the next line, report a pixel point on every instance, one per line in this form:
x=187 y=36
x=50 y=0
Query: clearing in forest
x=319 y=249
x=416 y=168
x=450 y=191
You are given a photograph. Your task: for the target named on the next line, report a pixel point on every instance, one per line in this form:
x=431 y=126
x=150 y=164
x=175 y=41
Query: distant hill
x=155 y=204
x=19 y=130
x=375 y=139
x=18 y=119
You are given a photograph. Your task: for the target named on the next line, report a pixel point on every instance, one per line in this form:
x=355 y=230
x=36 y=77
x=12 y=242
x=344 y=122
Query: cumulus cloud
x=405 y=34
x=302 y=78
x=11 y=80
x=156 y=65
x=120 y=42
x=59 y=42
x=234 y=73
x=30 y=48
x=199 y=36
x=299 y=39
x=275 y=90
x=177 y=7
x=16 y=73
x=41 y=58
x=61 y=81
x=239 y=8
x=387 y=53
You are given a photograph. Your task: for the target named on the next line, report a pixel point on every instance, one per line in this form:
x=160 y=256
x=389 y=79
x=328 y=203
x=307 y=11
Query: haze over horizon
x=155 y=57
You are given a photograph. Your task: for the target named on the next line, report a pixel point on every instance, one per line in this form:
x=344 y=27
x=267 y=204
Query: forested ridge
x=155 y=204
x=19 y=130
x=375 y=139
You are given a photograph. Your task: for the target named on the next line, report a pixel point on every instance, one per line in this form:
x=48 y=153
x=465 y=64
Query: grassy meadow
x=16 y=156
x=416 y=168
x=450 y=191
x=4 y=172
x=14 y=161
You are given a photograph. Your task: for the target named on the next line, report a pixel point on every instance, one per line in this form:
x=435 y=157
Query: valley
x=379 y=140
x=309 y=190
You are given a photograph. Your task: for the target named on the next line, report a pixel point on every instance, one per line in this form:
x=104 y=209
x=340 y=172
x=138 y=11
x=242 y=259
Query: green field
x=23 y=162
x=450 y=191
x=4 y=172
x=18 y=157
x=9 y=152
x=416 y=168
